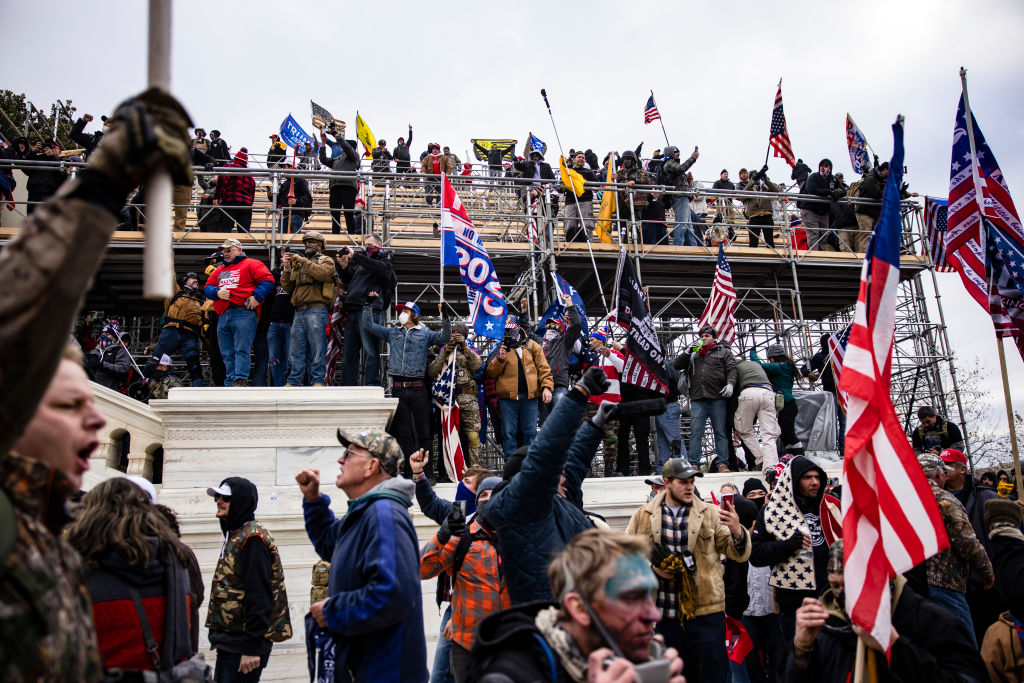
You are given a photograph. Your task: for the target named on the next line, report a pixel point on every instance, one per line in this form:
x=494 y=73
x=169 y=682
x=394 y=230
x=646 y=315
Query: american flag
x=778 y=136
x=444 y=396
x=935 y=212
x=964 y=239
x=321 y=117
x=651 y=110
x=891 y=521
x=720 y=312
x=837 y=349
x=1006 y=306
x=335 y=333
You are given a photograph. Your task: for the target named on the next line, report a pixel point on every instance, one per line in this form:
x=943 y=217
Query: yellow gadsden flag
x=604 y=218
x=365 y=135
x=571 y=178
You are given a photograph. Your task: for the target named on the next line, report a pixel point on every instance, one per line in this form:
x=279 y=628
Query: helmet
x=313 y=236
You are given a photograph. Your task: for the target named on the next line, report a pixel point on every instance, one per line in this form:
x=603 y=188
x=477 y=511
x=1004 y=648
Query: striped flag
x=651 y=111
x=444 y=397
x=837 y=350
x=720 y=312
x=935 y=213
x=891 y=521
x=965 y=249
x=335 y=332
x=778 y=135
x=858 y=146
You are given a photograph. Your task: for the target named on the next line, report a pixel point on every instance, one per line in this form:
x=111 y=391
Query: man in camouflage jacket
x=948 y=570
x=467 y=362
x=46 y=629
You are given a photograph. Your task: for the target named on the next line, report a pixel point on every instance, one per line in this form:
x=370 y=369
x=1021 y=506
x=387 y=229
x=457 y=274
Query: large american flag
x=651 y=110
x=335 y=331
x=837 y=351
x=935 y=225
x=720 y=312
x=778 y=136
x=965 y=249
x=443 y=392
x=891 y=521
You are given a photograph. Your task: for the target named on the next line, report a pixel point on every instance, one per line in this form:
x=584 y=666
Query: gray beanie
x=488 y=484
x=776 y=350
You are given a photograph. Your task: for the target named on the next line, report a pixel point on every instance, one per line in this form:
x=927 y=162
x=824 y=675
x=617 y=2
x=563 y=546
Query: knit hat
x=601 y=335
x=512 y=322
x=381 y=445
x=776 y=350
x=242 y=156
x=753 y=484
x=930 y=463
x=487 y=484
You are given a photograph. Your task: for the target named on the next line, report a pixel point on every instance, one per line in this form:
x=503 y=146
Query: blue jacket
x=374 y=608
x=535 y=521
x=408 y=350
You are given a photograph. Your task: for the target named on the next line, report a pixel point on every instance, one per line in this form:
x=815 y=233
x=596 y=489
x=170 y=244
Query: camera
x=509 y=343
x=760 y=175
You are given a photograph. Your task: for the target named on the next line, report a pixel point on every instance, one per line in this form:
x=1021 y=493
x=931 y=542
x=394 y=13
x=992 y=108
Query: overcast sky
x=460 y=70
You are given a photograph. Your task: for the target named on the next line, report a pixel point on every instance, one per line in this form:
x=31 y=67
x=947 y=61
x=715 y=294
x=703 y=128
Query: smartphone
x=695 y=148
x=727 y=499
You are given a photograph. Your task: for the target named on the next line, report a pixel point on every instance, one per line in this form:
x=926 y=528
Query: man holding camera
x=407 y=365
x=183 y=327
x=467 y=362
x=309 y=279
x=759 y=209
x=363 y=271
x=523 y=375
x=599 y=629
x=688 y=536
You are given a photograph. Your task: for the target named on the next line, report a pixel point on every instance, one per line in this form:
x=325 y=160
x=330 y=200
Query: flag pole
x=978 y=197
x=158 y=268
x=661 y=120
x=769 y=150
x=444 y=178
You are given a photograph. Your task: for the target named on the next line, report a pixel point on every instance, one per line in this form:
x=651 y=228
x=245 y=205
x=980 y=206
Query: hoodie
x=374 y=605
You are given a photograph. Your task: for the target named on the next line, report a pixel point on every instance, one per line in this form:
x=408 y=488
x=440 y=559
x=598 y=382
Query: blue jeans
x=544 y=409
x=956 y=604
x=236 y=328
x=667 y=426
x=292 y=227
x=517 y=416
x=226 y=669
x=307 y=346
x=278 y=337
x=171 y=339
x=441 y=671
x=356 y=339
x=260 y=359
x=683 y=234
x=700 y=410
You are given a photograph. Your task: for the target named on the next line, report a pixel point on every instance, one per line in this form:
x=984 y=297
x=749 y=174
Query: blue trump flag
x=461 y=246
x=558 y=308
x=293 y=135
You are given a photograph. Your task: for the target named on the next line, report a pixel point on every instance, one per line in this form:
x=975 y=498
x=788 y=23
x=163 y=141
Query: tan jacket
x=310 y=282
x=535 y=368
x=707 y=538
x=185 y=311
x=427 y=165
x=1001 y=651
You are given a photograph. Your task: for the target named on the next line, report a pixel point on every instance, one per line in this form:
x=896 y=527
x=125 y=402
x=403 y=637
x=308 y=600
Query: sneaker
x=240 y=383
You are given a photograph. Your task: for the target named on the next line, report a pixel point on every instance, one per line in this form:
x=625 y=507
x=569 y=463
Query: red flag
x=738 y=642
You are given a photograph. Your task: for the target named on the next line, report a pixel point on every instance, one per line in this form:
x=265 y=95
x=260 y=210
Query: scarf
x=706 y=348
x=568 y=652
x=1004 y=489
x=783 y=519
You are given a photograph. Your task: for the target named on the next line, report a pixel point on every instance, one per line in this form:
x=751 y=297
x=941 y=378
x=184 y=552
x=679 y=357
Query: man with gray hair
x=949 y=569
x=374 y=605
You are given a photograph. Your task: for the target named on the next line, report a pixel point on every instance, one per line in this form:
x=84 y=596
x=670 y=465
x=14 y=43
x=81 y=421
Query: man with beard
x=599 y=629
x=792 y=535
x=310 y=280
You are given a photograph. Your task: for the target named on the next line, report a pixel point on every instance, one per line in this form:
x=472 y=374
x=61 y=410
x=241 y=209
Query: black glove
x=456 y=521
x=443 y=534
x=595 y=381
x=837 y=194
x=208 y=167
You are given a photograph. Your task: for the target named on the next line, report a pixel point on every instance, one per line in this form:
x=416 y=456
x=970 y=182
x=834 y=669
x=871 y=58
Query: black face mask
x=481 y=512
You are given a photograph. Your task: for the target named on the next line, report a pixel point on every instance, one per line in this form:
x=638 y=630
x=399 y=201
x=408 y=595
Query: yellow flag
x=571 y=178
x=364 y=134
x=604 y=218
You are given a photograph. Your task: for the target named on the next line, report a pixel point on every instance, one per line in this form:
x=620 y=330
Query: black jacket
x=557 y=351
x=303 y=197
x=219 y=150
x=821 y=186
x=933 y=646
x=709 y=373
x=526 y=168
x=87 y=142
x=944 y=434
x=43 y=181
x=368 y=274
x=588 y=195
x=737 y=597
x=973 y=496
x=494 y=155
x=509 y=648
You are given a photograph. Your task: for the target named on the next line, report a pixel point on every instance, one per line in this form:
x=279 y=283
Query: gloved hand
x=606 y=411
x=595 y=381
x=727 y=391
x=837 y=194
x=148 y=132
x=456 y=521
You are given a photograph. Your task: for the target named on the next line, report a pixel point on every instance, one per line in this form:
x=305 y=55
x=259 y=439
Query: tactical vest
x=301 y=277
x=227 y=593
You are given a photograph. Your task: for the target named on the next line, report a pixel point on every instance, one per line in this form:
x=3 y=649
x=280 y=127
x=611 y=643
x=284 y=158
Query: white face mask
x=403 y=317
x=550 y=334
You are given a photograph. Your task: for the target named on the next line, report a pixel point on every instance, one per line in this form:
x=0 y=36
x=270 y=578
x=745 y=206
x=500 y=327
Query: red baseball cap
x=953 y=455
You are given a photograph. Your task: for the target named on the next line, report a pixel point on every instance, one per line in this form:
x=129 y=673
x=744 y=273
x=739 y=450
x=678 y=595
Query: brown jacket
x=707 y=538
x=184 y=310
x=1001 y=651
x=310 y=282
x=535 y=368
x=758 y=206
x=427 y=165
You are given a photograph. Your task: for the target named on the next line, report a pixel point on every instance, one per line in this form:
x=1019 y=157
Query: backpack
x=662 y=177
x=854 y=190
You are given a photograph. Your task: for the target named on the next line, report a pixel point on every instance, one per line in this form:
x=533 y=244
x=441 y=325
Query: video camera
x=760 y=175
x=510 y=343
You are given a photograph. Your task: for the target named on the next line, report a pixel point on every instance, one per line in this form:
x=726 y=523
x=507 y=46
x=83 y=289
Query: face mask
x=310 y=250
x=550 y=333
x=403 y=317
x=372 y=249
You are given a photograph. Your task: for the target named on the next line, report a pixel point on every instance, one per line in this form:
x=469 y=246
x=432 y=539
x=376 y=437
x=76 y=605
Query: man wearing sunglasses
x=248 y=610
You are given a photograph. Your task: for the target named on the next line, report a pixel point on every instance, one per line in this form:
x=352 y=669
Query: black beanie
x=753 y=484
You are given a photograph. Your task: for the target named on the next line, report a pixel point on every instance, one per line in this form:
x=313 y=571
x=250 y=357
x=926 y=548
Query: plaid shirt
x=235 y=190
x=477 y=591
x=673 y=537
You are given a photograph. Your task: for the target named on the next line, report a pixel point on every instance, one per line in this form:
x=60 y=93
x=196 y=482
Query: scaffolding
x=786 y=295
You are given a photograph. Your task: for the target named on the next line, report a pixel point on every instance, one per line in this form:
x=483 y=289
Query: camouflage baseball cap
x=931 y=463
x=382 y=445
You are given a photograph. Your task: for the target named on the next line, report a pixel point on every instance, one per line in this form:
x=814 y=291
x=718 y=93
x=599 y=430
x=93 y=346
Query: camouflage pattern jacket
x=467 y=362
x=950 y=568
x=227 y=591
x=46 y=628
